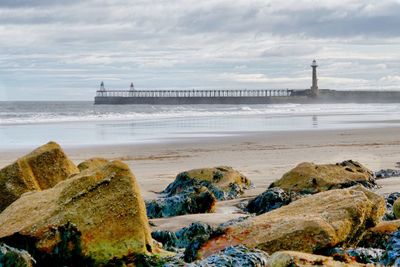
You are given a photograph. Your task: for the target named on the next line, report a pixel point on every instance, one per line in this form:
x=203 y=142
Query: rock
x=234 y=256
x=92 y=163
x=390 y=199
x=200 y=200
x=382 y=174
x=187 y=234
x=392 y=255
x=41 y=169
x=359 y=254
x=12 y=257
x=91 y=218
x=300 y=259
x=379 y=236
x=234 y=221
x=271 y=199
x=166 y=238
x=396 y=208
x=309 y=224
x=223 y=182
x=312 y=178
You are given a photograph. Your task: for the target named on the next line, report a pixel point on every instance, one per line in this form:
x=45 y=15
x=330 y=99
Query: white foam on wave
x=138 y=113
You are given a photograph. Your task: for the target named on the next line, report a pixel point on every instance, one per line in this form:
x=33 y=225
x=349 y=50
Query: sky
x=62 y=50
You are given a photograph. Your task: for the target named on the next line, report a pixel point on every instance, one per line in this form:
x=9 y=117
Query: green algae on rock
x=41 y=169
x=224 y=182
x=310 y=178
x=93 y=217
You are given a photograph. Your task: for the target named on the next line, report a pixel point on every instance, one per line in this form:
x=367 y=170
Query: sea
x=29 y=124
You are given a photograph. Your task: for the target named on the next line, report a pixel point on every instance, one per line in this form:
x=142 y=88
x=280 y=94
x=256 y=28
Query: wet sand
x=263 y=157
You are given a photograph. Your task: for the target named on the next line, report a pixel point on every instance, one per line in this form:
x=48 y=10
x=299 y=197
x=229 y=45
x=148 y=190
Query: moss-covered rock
x=224 y=182
x=41 y=169
x=92 y=163
x=91 y=218
x=396 y=208
x=200 y=200
x=311 y=178
x=310 y=224
x=300 y=259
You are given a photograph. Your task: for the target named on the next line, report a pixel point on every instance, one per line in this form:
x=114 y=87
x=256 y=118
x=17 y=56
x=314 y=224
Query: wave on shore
x=55 y=112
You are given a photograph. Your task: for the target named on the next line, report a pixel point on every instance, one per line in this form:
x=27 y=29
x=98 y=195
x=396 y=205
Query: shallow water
x=28 y=124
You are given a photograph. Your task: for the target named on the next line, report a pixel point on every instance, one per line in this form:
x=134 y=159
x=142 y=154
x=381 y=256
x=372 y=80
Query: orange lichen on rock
x=41 y=169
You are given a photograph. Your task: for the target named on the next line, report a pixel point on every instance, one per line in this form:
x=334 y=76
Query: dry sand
x=263 y=157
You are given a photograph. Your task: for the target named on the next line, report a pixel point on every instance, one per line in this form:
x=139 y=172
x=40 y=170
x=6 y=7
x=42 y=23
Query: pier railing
x=196 y=93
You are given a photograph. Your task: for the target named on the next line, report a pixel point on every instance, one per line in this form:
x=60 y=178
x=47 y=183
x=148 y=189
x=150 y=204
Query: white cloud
x=58 y=46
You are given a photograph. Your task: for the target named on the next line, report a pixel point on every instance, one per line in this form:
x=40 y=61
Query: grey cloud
x=35 y=3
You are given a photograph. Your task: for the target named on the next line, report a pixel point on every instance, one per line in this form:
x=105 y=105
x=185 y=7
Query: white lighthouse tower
x=314 y=86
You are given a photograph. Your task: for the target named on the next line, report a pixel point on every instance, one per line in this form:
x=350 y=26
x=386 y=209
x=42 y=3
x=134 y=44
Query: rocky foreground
x=54 y=213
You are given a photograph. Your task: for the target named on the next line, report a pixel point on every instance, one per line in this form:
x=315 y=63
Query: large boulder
x=200 y=200
x=312 y=178
x=310 y=224
x=93 y=217
x=224 y=182
x=92 y=163
x=301 y=259
x=41 y=169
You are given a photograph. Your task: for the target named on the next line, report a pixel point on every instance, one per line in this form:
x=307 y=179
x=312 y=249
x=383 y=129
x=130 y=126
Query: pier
x=242 y=96
x=195 y=93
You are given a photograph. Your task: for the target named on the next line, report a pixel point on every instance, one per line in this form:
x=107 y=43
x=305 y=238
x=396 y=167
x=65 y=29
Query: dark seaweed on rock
x=12 y=257
x=234 y=256
x=166 y=238
x=197 y=200
x=271 y=199
x=187 y=234
x=387 y=173
x=390 y=199
x=224 y=182
x=360 y=254
x=193 y=237
x=392 y=255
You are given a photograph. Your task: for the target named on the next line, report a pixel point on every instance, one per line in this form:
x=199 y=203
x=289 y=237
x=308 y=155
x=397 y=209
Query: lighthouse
x=102 y=88
x=314 y=86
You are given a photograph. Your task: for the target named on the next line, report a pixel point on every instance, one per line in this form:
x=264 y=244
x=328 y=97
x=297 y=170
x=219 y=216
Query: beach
x=262 y=156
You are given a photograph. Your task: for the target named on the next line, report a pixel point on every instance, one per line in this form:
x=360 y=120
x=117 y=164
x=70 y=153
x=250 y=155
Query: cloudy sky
x=62 y=50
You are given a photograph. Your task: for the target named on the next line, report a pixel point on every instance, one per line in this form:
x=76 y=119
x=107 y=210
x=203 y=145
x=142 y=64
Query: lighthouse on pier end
x=314 y=86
